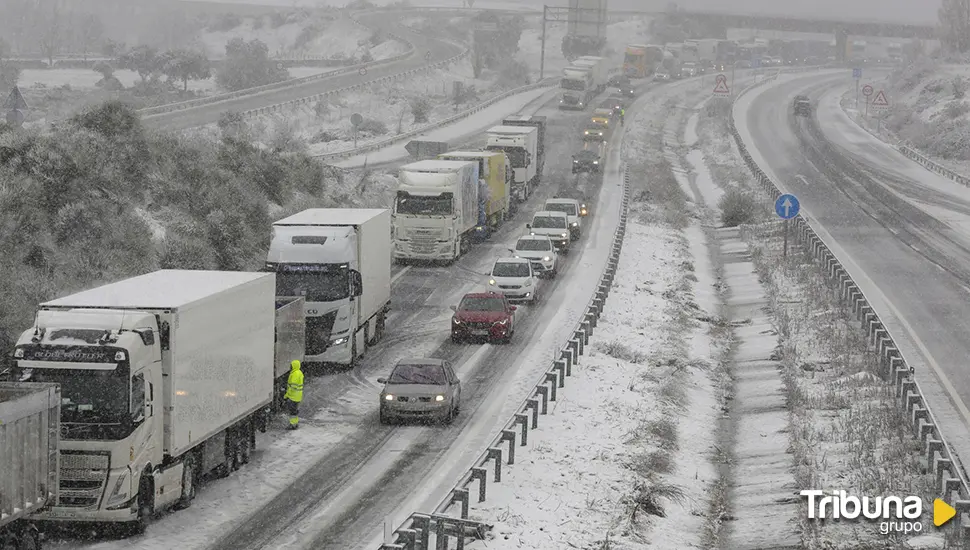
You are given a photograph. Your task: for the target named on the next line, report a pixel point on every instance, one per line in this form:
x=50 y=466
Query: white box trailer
x=436 y=209
x=29 y=428
x=521 y=145
x=339 y=261
x=600 y=67
x=164 y=377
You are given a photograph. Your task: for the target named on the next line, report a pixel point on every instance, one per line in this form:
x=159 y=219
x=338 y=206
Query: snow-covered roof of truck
x=435 y=165
x=512 y=129
x=331 y=216
x=163 y=289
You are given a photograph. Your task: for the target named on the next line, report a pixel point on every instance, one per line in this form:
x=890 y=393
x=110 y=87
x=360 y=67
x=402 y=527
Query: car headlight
x=564 y=235
x=491 y=281
x=456 y=320
x=575 y=224
x=388 y=397
x=583 y=212
x=503 y=322
x=546 y=259
x=596 y=162
x=439 y=398
x=575 y=162
x=586 y=133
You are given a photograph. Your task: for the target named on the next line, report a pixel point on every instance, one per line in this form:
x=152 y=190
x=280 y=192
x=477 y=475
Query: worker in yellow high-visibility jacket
x=294 y=393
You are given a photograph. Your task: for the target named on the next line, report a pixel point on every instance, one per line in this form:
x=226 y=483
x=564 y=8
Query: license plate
x=479 y=333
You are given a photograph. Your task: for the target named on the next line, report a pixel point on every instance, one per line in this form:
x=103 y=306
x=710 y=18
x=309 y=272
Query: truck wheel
x=146 y=504
x=188 y=483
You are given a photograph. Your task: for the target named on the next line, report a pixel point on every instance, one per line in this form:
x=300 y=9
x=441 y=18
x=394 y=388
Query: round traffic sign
x=279 y=65
x=787 y=206
x=356 y=119
x=362 y=71
x=16 y=117
x=867 y=90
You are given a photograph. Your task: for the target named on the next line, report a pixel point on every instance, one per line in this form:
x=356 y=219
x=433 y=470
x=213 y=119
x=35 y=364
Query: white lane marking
x=802 y=179
x=400 y=274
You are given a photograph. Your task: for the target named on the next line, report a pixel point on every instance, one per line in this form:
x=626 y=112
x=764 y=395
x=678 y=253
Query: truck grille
x=423 y=241
x=82 y=478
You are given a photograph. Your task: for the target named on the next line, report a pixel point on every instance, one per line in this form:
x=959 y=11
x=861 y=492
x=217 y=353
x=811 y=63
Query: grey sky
x=903 y=11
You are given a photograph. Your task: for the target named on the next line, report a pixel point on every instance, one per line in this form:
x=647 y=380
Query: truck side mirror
x=356 y=284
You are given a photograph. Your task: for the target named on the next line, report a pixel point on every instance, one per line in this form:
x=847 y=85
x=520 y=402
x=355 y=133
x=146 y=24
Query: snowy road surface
x=913 y=267
x=458 y=132
x=386 y=21
x=343 y=465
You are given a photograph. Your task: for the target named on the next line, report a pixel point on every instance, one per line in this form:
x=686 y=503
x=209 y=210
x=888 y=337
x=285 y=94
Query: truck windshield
x=569 y=209
x=419 y=205
x=548 y=222
x=516 y=155
x=314 y=286
x=572 y=84
x=88 y=396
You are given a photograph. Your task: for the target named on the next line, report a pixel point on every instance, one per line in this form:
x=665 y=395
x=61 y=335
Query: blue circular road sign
x=787 y=207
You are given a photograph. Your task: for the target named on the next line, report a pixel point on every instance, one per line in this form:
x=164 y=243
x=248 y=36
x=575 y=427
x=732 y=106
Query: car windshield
x=511 y=269
x=533 y=244
x=548 y=222
x=433 y=375
x=568 y=208
x=482 y=304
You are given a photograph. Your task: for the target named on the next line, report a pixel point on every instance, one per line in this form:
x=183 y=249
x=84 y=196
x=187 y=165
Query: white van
x=554 y=225
x=572 y=209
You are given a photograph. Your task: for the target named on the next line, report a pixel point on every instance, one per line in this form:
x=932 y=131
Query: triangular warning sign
x=15 y=100
x=880 y=100
x=721 y=87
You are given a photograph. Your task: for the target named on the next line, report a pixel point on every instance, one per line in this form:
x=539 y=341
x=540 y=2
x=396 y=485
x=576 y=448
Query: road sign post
x=787 y=207
x=355 y=121
x=721 y=88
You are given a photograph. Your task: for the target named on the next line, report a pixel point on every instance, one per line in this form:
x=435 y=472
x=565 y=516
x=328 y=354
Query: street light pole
x=542 y=58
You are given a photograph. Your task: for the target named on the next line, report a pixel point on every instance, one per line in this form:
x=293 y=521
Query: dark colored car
x=615 y=102
x=420 y=388
x=485 y=315
x=802 y=106
x=620 y=81
x=595 y=132
x=586 y=161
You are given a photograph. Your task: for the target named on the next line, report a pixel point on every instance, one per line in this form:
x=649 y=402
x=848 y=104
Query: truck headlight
x=340 y=341
x=439 y=398
x=119 y=494
x=575 y=224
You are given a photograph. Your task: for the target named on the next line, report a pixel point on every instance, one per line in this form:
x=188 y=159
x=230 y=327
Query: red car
x=485 y=315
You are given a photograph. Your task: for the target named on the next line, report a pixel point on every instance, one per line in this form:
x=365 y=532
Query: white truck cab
x=573 y=210
x=552 y=224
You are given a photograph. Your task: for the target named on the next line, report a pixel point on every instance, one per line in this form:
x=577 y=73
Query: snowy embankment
x=629 y=457
x=929 y=111
x=844 y=429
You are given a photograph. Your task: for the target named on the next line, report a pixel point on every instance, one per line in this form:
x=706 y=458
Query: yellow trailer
x=495 y=189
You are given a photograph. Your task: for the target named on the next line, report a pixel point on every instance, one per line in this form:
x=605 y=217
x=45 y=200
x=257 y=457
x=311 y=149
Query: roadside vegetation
x=847 y=430
x=100 y=198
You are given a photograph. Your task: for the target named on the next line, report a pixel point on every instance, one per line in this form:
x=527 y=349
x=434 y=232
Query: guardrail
x=435 y=125
x=939 y=459
x=316 y=97
x=933 y=166
x=182 y=105
x=415 y=532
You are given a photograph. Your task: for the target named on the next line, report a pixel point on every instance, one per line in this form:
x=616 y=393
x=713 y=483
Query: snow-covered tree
x=955 y=25
x=144 y=60
x=184 y=65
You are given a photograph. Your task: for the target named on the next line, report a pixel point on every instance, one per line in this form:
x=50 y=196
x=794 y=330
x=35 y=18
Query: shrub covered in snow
x=738 y=207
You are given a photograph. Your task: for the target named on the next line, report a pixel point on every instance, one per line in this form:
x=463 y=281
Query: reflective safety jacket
x=294 y=384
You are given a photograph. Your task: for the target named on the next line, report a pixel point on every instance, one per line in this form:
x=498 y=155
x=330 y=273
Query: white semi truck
x=521 y=145
x=29 y=433
x=436 y=209
x=599 y=70
x=339 y=261
x=578 y=88
x=164 y=377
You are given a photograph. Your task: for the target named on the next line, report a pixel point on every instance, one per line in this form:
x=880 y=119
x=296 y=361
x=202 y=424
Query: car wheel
x=450 y=415
x=384 y=419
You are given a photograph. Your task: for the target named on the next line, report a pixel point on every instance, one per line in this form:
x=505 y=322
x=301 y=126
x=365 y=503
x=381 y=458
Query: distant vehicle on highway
x=802 y=106
x=420 y=388
x=571 y=208
x=586 y=161
x=661 y=75
x=539 y=250
x=486 y=315
x=689 y=69
x=615 y=102
x=515 y=279
x=594 y=132
x=554 y=225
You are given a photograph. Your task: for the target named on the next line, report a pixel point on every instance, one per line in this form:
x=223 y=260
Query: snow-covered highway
x=892 y=220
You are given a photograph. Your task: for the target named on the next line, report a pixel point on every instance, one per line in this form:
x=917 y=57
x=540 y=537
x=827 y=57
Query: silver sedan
x=420 y=388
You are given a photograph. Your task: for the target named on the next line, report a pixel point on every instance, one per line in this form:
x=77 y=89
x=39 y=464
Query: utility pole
x=542 y=58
